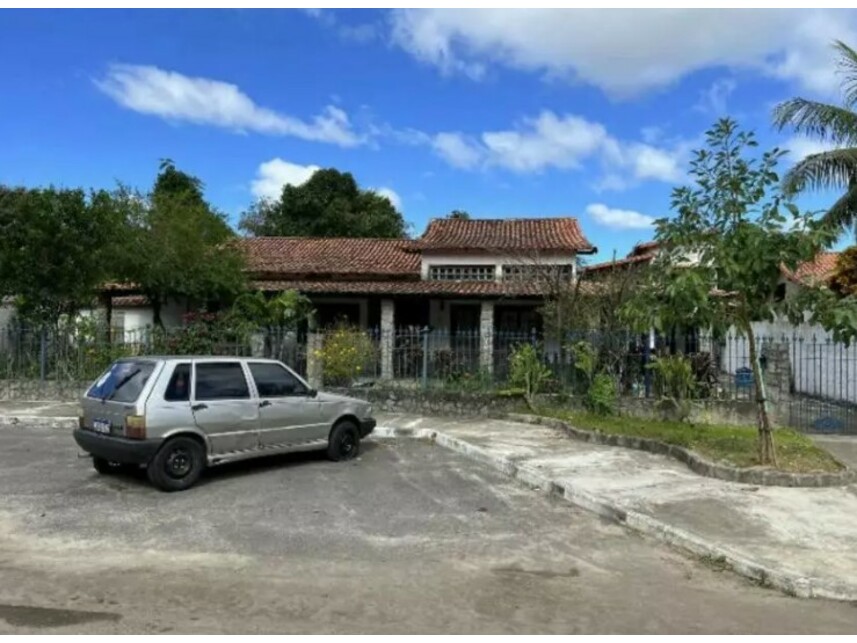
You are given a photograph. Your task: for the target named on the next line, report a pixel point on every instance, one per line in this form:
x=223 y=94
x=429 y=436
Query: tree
x=724 y=250
x=833 y=125
x=177 y=246
x=844 y=279
x=56 y=247
x=459 y=214
x=329 y=204
x=279 y=316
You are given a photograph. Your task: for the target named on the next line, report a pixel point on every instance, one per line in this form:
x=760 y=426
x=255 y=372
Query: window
x=221 y=381
x=272 y=380
x=462 y=273
x=178 y=390
x=123 y=381
x=526 y=272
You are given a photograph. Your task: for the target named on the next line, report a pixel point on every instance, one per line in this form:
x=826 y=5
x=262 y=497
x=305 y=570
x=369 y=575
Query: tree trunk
x=156 y=312
x=767 y=454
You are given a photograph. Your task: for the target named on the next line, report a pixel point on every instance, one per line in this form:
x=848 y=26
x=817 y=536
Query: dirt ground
x=408 y=539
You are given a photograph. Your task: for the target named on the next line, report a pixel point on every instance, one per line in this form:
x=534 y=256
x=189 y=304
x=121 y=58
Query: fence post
x=43 y=354
x=647 y=356
x=425 y=337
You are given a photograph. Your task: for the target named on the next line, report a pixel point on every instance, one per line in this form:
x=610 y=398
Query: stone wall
x=35 y=390
x=434 y=402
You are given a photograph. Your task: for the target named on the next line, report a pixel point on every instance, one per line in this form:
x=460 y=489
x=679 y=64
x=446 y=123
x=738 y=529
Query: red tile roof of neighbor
x=561 y=234
x=296 y=256
x=817 y=271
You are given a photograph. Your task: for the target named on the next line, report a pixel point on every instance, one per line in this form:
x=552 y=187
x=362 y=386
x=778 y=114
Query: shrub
x=675 y=383
x=601 y=396
x=345 y=355
x=528 y=372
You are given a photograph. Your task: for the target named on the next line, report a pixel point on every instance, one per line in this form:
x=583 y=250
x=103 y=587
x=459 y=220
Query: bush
x=674 y=383
x=601 y=396
x=527 y=371
x=346 y=354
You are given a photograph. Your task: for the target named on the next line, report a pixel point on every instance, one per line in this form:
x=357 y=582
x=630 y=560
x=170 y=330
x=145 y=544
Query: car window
x=123 y=381
x=272 y=380
x=178 y=389
x=221 y=381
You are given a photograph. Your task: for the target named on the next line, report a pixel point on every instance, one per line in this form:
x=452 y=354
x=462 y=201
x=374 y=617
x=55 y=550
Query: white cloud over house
x=619 y=219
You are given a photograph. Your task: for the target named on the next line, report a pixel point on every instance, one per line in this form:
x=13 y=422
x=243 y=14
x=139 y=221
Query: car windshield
x=123 y=381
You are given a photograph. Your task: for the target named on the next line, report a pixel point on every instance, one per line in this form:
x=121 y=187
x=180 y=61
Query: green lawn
x=735 y=445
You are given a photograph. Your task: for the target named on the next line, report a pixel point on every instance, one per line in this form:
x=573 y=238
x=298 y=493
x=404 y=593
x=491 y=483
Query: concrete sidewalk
x=800 y=540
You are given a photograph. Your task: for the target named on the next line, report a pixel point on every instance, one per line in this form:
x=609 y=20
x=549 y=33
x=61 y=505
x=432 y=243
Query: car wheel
x=344 y=442
x=177 y=465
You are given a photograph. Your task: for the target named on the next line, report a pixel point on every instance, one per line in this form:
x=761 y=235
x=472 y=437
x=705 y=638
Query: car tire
x=177 y=465
x=344 y=443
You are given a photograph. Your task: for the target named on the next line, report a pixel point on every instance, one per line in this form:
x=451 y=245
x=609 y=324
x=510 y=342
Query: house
x=467 y=280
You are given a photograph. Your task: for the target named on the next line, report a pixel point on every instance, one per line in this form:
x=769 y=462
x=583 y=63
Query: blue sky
x=542 y=113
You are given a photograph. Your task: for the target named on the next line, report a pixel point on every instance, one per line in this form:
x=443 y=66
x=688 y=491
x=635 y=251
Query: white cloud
x=174 y=96
x=626 y=52
x=619 y=219
x=713 y=100
x=272 y=175
x=457 y=150
x=563 y=141
x=391 y=194
x=799 y=147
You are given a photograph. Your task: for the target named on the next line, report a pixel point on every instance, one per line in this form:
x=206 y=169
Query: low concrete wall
x=35 y=390
x=433 y=402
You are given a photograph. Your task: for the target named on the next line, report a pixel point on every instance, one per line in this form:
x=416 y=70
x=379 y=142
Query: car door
x=289 y=414
x=223 y=407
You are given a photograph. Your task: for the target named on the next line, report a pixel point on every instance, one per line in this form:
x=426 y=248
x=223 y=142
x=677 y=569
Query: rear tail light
x=135 y=427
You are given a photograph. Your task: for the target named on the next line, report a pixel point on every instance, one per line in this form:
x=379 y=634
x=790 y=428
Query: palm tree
x=833 y=125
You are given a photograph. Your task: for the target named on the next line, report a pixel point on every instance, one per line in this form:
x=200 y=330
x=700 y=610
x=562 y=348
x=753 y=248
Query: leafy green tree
x=329 y=204
x=279 y=316
x=56 y=247
x=829 y=124
x=724 y=250
x=458 y=214
x=177 y=246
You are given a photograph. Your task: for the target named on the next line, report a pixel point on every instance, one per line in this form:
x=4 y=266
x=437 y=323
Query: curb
x=787 y=581
x=694 y=461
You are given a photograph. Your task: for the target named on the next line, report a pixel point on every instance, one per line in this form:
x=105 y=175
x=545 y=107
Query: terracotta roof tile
x=817 y=271
x=619 y=263
x=562 y=234
x=299 y=256
x=427 y=288
x=130 y=301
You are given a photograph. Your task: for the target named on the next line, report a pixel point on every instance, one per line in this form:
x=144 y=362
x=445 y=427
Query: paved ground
x=843 y=447
x=409 y=538
x=803 y=532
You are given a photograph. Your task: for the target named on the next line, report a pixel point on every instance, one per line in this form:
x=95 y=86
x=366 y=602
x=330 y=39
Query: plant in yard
x=528 y=372
x=724 y=251
x=674 y=383
x=279 y=316
x=600 y=397
x=346 y=354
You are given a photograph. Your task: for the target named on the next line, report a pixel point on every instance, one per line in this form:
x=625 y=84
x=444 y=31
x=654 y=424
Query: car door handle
x=264 y=403
x=198 y=407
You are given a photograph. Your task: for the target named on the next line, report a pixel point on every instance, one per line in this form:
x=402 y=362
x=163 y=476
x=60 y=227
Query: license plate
x=101 y=426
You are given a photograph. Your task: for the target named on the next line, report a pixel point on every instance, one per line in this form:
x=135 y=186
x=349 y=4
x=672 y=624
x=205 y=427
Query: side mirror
x=312 y=392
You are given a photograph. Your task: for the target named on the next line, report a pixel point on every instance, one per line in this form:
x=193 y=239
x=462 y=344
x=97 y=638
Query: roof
x=645 y=248
x=340 y=256
x=618 y=263
x=449 y=288
x=130 y=301
x=561 y=234
x=819 y=270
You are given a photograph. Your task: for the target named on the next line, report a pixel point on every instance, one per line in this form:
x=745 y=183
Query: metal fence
x=812 y=379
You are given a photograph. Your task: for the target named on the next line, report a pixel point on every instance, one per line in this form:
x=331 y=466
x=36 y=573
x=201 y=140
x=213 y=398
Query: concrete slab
x=802 y=540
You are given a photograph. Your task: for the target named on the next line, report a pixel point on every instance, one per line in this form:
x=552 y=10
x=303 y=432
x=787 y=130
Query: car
x=177 y=415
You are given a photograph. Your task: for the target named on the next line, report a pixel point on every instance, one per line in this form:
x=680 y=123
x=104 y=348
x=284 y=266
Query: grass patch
x=734 y=445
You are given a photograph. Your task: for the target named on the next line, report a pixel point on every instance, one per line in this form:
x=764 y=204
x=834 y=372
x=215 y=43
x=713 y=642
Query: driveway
x=409 y=538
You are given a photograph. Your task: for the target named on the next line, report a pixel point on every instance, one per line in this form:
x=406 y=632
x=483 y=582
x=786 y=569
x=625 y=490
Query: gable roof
x=816 y=271
x=561 y=234
x=340 y=256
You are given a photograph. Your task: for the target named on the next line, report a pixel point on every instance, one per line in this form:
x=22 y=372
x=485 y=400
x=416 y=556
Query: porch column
x=388 y=330
x=486 y=337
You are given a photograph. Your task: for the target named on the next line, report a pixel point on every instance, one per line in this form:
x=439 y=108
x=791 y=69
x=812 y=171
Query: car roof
x=195 y=358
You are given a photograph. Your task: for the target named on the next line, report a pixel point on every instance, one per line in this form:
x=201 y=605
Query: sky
x=501 y=113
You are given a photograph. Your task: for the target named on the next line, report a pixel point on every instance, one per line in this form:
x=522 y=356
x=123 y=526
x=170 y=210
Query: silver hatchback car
x=177 y=415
